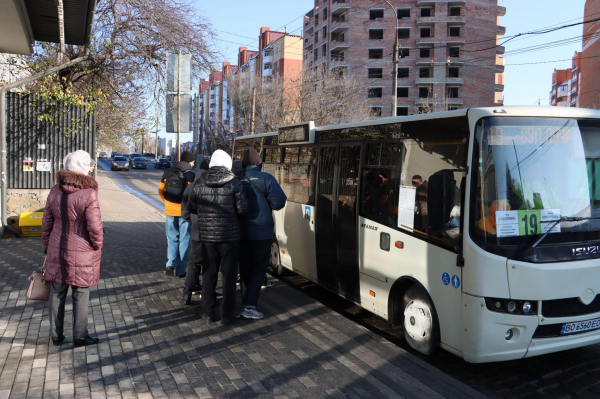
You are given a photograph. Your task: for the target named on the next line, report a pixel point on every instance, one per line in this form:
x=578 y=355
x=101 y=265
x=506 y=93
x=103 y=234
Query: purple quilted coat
x=72 y=231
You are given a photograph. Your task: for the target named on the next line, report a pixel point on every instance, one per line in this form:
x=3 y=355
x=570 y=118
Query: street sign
x=172 y=115
x=173 y=72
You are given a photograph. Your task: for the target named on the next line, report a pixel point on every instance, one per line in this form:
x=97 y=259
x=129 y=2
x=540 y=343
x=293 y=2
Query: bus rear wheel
x=420 y=326
x=278 y=269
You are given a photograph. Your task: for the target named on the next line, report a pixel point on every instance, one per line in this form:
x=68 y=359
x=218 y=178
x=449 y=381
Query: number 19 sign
x=526 y=222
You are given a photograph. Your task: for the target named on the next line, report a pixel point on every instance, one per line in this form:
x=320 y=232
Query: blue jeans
x=178 y=239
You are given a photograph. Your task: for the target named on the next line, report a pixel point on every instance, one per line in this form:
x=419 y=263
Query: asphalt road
x=570 y=374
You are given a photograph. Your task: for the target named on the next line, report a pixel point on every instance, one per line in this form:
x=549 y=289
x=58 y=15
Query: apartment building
x=590 y=62
x=449 y=54
x=566 y=85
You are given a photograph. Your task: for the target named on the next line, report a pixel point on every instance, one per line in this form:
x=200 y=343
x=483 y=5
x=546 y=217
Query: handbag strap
x=44 y=267
x=255 y=186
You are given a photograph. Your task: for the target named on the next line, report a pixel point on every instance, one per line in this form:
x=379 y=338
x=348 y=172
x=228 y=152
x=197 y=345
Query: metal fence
x=37 y=146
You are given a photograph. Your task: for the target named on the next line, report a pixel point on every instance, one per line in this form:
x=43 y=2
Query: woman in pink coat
x=72 y=235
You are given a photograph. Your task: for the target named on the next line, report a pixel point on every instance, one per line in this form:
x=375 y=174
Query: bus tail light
x=399 y=244
x=511 y=306
x=372 y=293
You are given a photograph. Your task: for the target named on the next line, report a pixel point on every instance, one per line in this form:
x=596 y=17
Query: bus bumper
x=484 y=332
x=484 y=337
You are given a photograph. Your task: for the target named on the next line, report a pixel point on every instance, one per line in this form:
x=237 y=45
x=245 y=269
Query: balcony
x=338 y=46
x=309 y=45
x=501 y=11
x=499 y=68
x=500 y=49
x=500 y=30
x=338 y=27
x=267 y=72
x=268 y=58
x=455 y=81
x=425 y=3
x=339 y=7
x=498 y=87
x=424 y=81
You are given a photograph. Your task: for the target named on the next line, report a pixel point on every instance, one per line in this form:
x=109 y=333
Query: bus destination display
x=294 y=134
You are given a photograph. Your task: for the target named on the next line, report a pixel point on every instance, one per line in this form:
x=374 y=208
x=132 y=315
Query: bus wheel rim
x=418 y=320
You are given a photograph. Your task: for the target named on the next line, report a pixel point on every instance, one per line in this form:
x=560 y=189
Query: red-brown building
x=449 y=52
x=590 y=62
x=566 y=85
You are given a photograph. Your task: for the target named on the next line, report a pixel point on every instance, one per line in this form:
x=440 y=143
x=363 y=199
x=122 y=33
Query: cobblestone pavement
x=151 y=346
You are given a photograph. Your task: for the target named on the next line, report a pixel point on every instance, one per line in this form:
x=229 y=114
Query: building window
x=375 y=34
x=324 y=13
x=376 y=111
x=425 y=72
x=425 y=32
x=404 y=53
x=324 y=50
x=454 y=31
x=375 y=73
x=375 y=92
x=375 y=53
x=453 y=72
x=425 y=52
x=402 y=92
x=455 y=11
x=404 y=33
x=375 y=14
x=426 y=12
x=403 y=13
x=424 y=92
x=316 y=36
x=452 y=92
x=402 y=111
x=403 y=72
x=454 y=52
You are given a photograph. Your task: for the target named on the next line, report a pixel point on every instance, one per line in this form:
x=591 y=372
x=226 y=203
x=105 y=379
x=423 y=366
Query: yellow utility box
x=31 y=223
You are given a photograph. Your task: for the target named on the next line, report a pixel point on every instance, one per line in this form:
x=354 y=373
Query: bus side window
x=435 y=156
x=298 y=174
x=379 y=184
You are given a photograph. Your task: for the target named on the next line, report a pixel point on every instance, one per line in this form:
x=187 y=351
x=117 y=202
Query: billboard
x=172 y=114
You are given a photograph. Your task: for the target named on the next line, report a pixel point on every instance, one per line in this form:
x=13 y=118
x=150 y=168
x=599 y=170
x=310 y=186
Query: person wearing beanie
x=72 y=236
x=171 y=188
x=219 y=200
x=258 y=229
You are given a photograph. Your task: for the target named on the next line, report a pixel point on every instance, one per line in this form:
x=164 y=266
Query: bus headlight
x=511 y=306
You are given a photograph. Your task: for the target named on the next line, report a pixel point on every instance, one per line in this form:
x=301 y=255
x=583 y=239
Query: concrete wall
x=25 y=200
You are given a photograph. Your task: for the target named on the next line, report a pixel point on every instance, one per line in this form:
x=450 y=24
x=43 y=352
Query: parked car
x=138 y=163
x=103 y=155
x=119 y=163
x=112 y=154
x=162 y=163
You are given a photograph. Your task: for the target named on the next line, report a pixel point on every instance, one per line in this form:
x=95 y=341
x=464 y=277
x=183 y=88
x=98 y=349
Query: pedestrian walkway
x=151 y=346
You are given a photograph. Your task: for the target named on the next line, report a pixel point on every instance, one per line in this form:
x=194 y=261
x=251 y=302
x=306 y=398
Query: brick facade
x=358 y=37
x=590 y=63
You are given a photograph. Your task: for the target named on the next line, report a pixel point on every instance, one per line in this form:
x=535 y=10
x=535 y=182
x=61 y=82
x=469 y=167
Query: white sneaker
x=249 y=313
x=267 y=284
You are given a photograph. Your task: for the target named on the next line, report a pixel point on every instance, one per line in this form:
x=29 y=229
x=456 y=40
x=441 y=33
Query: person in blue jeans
x=177 y=228
x=264 y=196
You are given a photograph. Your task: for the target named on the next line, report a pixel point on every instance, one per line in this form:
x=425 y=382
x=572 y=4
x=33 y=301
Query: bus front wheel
x=420 y=326
x=278 y=269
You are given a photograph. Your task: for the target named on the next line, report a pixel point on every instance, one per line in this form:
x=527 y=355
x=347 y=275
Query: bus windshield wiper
x=562 y=219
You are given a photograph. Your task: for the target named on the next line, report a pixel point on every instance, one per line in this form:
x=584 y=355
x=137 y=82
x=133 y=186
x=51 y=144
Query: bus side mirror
x=438 y=203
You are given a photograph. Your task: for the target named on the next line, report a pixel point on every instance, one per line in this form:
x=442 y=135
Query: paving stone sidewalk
x=151 y=346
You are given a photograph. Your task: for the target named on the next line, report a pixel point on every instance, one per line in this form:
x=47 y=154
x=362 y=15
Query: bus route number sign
x=294 y=134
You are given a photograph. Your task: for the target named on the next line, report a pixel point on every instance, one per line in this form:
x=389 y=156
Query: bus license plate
x=570 y=328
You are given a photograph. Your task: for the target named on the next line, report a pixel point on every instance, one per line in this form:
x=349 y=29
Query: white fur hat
x=220 y=158
x=78 y=162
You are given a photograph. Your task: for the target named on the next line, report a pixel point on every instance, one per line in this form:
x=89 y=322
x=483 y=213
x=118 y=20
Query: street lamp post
x=395 y=62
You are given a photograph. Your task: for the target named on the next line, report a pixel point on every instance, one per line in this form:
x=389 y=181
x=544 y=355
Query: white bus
x=474 y=230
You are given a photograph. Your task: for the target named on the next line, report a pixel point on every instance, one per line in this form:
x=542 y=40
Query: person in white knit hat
x=218 y=199
x=72 y=235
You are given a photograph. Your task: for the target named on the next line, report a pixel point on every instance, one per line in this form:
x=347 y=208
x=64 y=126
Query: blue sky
x=237 y=23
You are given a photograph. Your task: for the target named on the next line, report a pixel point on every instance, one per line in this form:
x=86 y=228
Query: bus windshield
x=530 y=172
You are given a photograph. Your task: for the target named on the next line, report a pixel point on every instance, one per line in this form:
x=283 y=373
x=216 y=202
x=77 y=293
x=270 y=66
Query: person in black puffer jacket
x=218 y=199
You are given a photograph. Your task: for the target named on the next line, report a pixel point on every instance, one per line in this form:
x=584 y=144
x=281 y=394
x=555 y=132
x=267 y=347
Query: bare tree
x=127 y=66
x=323 y=95
x=435 y=102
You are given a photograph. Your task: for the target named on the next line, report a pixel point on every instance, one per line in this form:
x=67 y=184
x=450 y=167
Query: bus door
x=336 y=219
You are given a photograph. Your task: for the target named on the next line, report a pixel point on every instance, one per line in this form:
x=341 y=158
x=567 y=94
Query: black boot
x=85 y=341
x=59 y=340
x=170 y=271
x=186 y=299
